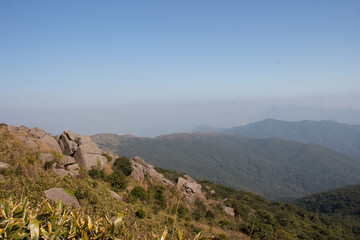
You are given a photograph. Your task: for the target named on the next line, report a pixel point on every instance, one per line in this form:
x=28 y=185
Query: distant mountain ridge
x=298 y=113
x=341 y=137
x=271 y=167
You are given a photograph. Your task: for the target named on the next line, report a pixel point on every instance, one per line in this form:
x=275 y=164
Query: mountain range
x=341 y=137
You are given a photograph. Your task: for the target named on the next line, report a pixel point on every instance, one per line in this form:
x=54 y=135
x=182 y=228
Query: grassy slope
x=270 y=167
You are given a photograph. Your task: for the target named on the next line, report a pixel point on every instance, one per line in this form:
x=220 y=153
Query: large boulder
x=67 y=143
x=50 y=142
x=58 y=193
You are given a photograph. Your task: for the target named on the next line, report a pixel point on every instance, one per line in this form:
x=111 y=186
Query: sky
x=154 y=67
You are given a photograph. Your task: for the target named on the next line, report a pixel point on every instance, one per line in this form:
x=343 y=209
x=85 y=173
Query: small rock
x=116 y=196
x=72 y=167
x=4 y=165
x=46 y=157
x=66 y=161
x=230 y=211
x=61 y=172
x=58 y=193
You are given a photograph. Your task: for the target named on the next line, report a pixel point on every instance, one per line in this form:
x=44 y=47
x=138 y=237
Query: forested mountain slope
x=271 y=167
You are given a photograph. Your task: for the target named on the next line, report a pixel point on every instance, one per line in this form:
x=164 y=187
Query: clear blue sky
x=70 y=55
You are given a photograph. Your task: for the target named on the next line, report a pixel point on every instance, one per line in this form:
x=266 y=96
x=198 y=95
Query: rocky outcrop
x=31 y=136
x=142 y=169
x=58 y=193
x=190 y=188
x=82 y=149
x=77 y=149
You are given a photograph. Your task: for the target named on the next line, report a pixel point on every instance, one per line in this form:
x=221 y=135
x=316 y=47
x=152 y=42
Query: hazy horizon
x=151 y=68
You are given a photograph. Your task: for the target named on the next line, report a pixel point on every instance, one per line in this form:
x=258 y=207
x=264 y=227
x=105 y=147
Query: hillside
x=342 y=202
x=153 y=208
x=270 y=167
x=341 y=137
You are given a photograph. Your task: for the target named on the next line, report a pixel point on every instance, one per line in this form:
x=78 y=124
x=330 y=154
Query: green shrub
x=123 y=164
x=140 y=213
x=48 y=164
x=117 y=179
x=159 y=197
x=200 y=210
x=139 y=193
x=95 y=173
x=210 y=216
x=107 y=157
x=182 y=211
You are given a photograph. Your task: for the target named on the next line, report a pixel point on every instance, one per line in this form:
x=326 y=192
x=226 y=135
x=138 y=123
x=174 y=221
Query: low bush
x=123 y=164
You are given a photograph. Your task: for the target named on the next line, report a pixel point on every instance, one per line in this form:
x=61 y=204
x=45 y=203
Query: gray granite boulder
x=58 y=193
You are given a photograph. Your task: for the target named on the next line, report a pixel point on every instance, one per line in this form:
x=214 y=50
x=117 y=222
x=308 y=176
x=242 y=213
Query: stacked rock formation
x=82 y=149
